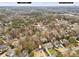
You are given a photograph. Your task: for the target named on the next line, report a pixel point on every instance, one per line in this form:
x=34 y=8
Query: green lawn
x=56 y=53
x=53 y=51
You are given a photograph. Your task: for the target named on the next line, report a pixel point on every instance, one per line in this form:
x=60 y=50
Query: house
x=43 y=40
x=3 y=48
x=65 y=42
x=39 y=52
x=24 y=53
x=3 y=55
x=63 y=51
x=56 y=44
x=48 y=45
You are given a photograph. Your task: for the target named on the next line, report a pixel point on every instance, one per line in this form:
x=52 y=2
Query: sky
x=37 y=4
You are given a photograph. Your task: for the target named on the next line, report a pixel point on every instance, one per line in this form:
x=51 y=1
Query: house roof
x=48 y=45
